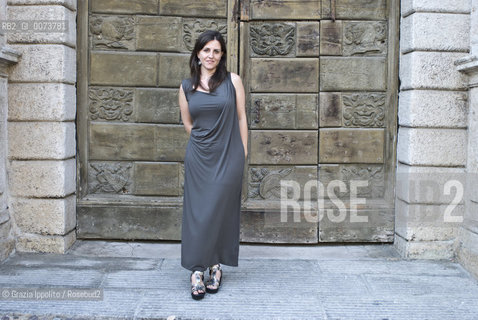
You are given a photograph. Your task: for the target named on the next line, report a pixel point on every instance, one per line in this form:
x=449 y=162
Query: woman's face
x=210 y=55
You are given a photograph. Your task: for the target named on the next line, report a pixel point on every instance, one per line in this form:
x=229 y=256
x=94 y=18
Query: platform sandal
x=197 y=285
x=213 y=279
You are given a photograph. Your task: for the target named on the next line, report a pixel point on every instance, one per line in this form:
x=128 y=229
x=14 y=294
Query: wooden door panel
x=327 y=66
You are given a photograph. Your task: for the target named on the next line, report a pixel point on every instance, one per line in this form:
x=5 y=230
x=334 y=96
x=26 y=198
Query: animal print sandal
x=197 y=285
x=214 y=280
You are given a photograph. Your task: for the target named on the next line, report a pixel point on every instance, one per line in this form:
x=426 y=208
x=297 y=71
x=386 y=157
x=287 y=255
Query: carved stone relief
x=110 y=103
x=109 y=177
x=364 y=110
x=112 y=32
x=265 y=183
x=374 y=175
x=365 y=38
x=272 y=39
x=193 y=28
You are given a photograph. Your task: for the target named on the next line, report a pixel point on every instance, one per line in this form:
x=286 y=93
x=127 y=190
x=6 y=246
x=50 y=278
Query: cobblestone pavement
x=141 y=280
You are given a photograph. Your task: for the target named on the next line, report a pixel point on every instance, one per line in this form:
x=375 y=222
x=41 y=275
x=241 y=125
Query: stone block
x=45 y=216
x=194 y=8
x=44 y=63
x=365 y=38
x=2 y=172
x=4 y=215
x=283 y=147
x=264 y=182
x=449 y=6
x=112 y=32
x=308 y=40
x=427 y=185
x=128 y=7
x=6 y=229
x=283 y=47
x=356 y=109
x=419 y=32
x=137 y=142
x=432 y=147
x=351 y=145
x=124 y=69
x=284 y=75
x=41 y=140
x=41 y=179
x=471 y=187
x=354 y=73
x=432 y=250
x=110 y=141
x=356 y=9
x=421 y=222
x=157 y=105
x=472 y=154
x=41 y=101
x=431 y=70
x=110 y=177
x=274 y=226
x=65 y=31
x=159 y=34
x=281 y=111
x=157 y=178
x=331 y=38
x=45 y=244
x=432 y=108
x=373 y=175
x=6 y=248
x=467 y=250
x=307 y=111
x=292 y=9
x=336 y=226
x=129 y=222
x=174 y=68
x=70 y=4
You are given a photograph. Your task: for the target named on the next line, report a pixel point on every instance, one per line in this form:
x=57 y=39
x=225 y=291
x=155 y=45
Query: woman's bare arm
x=241 y=108
x=183 y=106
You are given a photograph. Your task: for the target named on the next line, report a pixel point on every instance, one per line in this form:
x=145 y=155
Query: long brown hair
x=221 y=71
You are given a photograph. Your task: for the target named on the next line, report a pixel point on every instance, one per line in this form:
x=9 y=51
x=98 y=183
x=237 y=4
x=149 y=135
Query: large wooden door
x=321 y=82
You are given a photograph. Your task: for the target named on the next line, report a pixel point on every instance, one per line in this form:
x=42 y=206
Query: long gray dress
x=213 y=170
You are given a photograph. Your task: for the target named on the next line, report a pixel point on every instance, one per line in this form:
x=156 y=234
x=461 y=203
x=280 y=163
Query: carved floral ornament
x=265 y=183
x=192 y=30
x=272 y=38
x=109 y=177
x=110 y=104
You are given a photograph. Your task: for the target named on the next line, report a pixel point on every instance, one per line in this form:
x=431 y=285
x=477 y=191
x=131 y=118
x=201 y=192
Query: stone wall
x=467 y=248
x=432 y=137
x=41 y=128
x=7 y=57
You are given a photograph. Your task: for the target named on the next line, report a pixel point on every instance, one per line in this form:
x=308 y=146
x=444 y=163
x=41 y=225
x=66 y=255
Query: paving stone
x=17 y=276
x=77 y=262
x=370 y=283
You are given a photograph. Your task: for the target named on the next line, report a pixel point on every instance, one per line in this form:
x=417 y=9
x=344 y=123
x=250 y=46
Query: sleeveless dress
x=213 y=172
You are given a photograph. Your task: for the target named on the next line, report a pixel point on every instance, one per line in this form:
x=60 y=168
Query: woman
x=212 y=104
